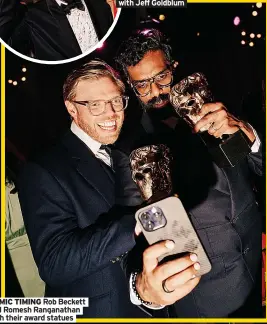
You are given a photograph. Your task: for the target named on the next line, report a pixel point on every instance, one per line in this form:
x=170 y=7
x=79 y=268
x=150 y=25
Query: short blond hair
x=93 y=70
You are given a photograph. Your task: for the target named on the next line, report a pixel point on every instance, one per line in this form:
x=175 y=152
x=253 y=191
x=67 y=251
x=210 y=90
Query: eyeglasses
x=143 y=87
x=98 y=107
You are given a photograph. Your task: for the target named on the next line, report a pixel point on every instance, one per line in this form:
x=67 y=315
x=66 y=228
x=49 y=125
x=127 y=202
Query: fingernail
x=194 y=276
x=197 y=266
x=193 y=257
x=169 y=245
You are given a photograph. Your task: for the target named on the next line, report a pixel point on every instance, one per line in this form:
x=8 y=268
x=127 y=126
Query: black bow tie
x=107 y=148
x=72 y=4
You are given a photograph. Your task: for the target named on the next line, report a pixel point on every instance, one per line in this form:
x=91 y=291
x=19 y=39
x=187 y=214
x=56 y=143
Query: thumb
x=137 y=229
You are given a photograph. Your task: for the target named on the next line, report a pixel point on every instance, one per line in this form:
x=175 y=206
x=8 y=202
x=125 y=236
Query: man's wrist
x=136 y=277
x=134 y=294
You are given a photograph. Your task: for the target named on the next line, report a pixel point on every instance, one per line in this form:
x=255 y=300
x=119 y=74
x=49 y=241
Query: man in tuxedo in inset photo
x=54 y=29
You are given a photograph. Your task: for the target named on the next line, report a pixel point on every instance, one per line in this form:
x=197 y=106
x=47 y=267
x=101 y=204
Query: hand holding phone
x=164 y=284
x=168 y=220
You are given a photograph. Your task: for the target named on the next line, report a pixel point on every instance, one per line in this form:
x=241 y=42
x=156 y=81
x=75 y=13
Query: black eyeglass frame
x=152 y=80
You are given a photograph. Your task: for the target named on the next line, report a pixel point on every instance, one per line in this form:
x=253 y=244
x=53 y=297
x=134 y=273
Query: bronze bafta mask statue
x=188 y=97
x=150 y=167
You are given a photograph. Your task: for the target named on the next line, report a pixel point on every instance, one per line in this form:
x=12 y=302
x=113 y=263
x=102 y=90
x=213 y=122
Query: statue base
x=229 y=151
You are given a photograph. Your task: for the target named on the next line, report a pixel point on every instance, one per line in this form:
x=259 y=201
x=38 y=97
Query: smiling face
x=104 y=128
x=153 y=63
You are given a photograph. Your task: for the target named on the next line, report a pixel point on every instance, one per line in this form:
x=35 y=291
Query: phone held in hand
x=167 y=220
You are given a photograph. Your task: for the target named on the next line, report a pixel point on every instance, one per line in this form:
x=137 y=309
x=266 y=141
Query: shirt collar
x=60 y=1
x=93 y=145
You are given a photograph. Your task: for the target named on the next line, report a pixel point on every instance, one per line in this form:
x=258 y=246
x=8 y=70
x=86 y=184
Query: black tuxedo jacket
x=47 y=26
x=221 y=205
x=76 y=233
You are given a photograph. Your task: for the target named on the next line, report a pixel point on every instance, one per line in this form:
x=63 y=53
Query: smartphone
x=168 y=220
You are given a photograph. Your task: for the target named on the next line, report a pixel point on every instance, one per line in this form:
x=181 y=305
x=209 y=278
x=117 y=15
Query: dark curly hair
x=136 y=46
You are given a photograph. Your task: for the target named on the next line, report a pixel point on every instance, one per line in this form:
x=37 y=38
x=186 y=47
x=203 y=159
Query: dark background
x=35 y=112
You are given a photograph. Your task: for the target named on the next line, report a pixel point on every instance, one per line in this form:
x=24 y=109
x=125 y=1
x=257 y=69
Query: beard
x=156 y=100
x=97 y=135
x=162 y=113
x=159 y=113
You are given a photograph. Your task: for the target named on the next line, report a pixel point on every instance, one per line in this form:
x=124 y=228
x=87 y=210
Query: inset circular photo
x=55 y=31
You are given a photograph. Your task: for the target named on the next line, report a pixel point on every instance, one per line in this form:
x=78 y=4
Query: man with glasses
x=142 y=88
x=67 y=197
x=220 y=202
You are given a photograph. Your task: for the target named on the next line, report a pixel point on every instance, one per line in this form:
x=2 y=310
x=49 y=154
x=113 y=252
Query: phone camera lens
x=145 y=216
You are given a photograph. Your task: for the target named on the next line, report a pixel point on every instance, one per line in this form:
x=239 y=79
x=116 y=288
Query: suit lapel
x=101 y=15
x=90 y=168
x=93 y=172
x=108 y=171
x=147 y=124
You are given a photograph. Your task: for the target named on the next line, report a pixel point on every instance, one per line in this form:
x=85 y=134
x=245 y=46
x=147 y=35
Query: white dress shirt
x=82 y=26
x=92 y=144
x=256 y=145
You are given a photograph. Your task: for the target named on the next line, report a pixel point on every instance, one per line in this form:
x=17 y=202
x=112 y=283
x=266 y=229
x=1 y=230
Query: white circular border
x=71 y=59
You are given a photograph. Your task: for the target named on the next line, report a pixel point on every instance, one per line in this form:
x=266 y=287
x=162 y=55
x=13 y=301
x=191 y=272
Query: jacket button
x=235 y=220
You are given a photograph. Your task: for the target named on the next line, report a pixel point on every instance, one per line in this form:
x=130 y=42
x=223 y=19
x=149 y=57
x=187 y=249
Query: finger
x=207 y=120
x=180 y=292
x=173 y=267
x=186 y=288
x=214 y=127
x=137 y=230
x=152 y=253
x=210 y=107
x=230 y=125
x=225 y=129
x=181 y=278
x=218 y=116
